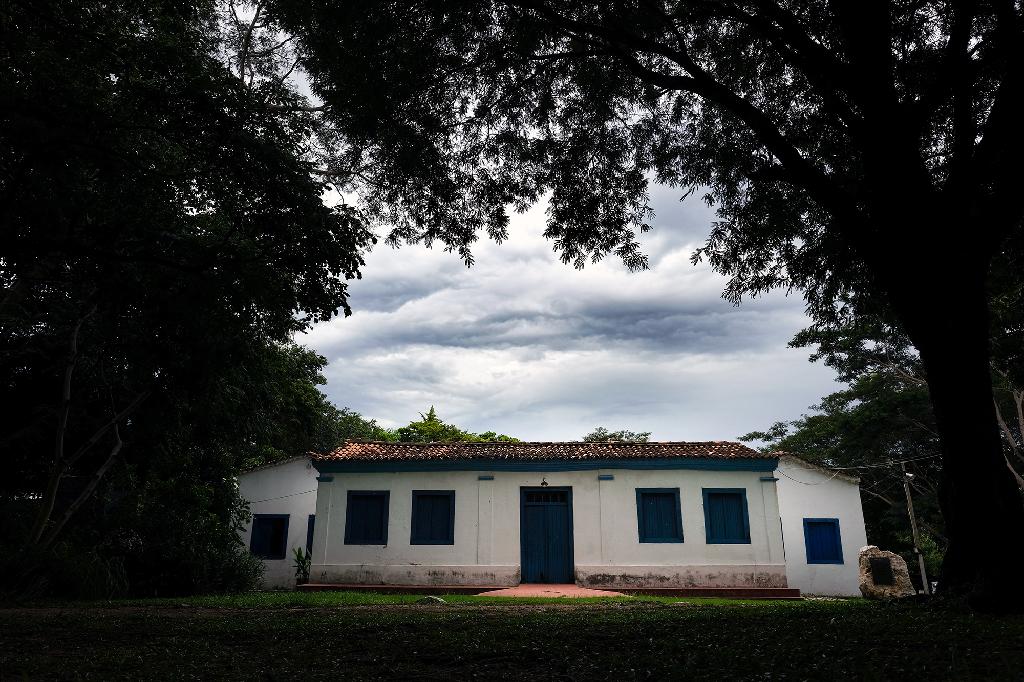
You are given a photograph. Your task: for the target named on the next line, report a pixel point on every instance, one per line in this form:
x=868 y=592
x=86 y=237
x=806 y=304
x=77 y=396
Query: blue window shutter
x=658 y=515
x=725 y=516
x=261 y=538
x=366 y=517
x=269 y=536
x=433 y=517
x=260 y=542
x=310 y=523
x=823 y=542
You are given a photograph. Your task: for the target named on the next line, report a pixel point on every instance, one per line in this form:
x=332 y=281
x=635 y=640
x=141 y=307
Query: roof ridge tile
x=356 y=450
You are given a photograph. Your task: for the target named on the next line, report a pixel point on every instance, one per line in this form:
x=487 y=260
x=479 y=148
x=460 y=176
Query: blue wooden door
x=546 y=519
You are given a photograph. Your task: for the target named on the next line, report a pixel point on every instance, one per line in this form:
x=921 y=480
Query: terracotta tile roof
x=359 y=451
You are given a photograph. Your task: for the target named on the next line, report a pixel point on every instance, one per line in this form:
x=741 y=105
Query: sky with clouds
x=522 y=344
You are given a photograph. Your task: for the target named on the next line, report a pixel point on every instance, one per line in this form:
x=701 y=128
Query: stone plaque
x=883 y=575
x=881 y=570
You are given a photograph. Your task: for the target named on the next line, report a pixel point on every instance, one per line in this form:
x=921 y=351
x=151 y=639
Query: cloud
x=523 y=344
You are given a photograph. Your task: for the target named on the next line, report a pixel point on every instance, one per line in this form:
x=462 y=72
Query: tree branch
x=552 y=56
x=1016 y=476
x=270 y=50
x=111 y=424
x=1011 y=440
x=887 y=500
x=900 y=505
x=997 y=170
x=786 y=34
x=623 y=44
x=964 y=128
x=60 y=469
x=279 y=81
x=59 y=466
x=86 y=493
x=292 y=108
x=802 y=172
x=1018 y=400
x=243 y=51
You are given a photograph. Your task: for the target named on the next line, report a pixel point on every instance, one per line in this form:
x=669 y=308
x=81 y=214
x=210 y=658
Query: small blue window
x=433 y=517
x=658 y=516
x=822 y=540
x=269 y=536
x=366 y=517
x=725 y=516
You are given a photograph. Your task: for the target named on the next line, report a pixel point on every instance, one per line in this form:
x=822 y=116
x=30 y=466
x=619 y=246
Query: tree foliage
x=768 y=106
x=883 y=417
x=163 y=239
x=350 y=425
x=602 y=435
x=847 y=148
x=431 y=429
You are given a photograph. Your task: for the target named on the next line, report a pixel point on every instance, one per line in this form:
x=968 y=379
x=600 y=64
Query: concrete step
x=720 y=592
x=398 y=589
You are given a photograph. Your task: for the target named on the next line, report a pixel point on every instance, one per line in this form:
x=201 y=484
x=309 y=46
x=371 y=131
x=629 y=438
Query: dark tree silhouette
x=162 y=240
x=862 y=152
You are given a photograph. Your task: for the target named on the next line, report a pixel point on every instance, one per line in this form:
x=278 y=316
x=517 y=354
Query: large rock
x=873 y=578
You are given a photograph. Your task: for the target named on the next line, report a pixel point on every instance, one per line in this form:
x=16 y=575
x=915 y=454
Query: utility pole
x=913 y=528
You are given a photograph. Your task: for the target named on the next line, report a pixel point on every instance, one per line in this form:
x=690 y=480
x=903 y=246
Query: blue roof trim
x=698 y=463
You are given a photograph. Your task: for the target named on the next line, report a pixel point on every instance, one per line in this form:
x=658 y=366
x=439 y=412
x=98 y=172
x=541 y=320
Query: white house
x=282 y=499
x=618 y=515
x=823 y=526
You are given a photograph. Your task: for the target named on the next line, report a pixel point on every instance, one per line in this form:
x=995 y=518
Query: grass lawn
x=367 y=636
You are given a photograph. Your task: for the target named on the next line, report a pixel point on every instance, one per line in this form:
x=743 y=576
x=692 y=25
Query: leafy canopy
x=882 y=417
x=431 y=429
x=797 y=119
x=603 y=435
x=163 y=239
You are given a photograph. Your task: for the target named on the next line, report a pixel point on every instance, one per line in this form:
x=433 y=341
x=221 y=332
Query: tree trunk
x=981 y=503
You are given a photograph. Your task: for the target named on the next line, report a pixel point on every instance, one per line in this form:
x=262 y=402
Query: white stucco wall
x=806 y=491
x=606 y=547
x=286 y=488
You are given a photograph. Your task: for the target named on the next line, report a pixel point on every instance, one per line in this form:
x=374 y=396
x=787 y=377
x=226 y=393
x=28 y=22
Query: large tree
x=163 y=238
x=883 y=416
x=868 y=150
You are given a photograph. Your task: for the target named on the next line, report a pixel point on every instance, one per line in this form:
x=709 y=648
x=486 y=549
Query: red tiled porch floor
x=548 y=590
